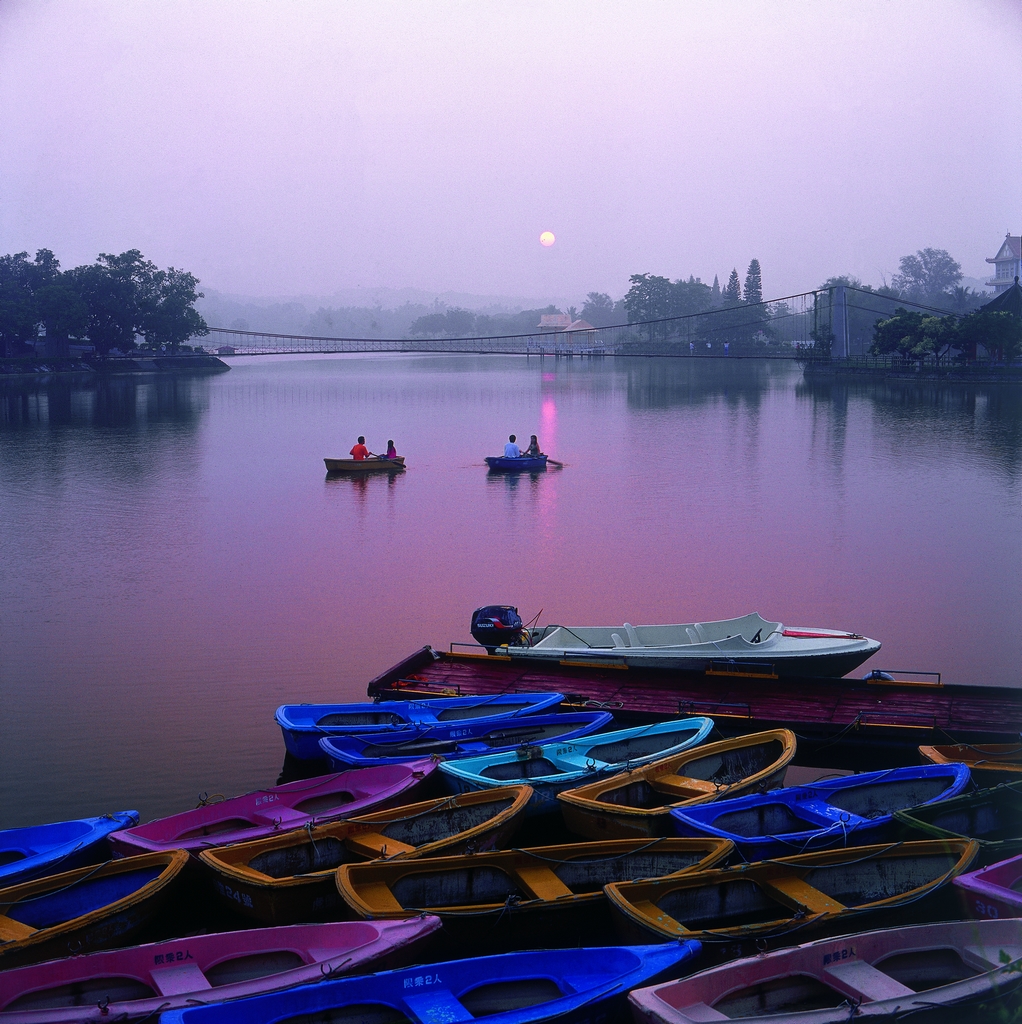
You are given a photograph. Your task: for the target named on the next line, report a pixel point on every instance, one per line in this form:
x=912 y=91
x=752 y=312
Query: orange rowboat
x=373 y=465
x=639 y=802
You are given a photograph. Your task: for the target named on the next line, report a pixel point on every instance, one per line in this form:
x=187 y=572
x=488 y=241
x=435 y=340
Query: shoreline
x=36 y=367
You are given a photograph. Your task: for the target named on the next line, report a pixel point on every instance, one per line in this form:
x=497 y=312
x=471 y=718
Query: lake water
x=174 y=563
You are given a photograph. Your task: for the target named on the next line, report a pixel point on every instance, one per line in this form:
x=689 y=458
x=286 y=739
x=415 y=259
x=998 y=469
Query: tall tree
x=17 y=310
x=598 y=309
x=715 y=292
x=732 y=294
x=929 y=274
x=168 y=314
x=753 y=283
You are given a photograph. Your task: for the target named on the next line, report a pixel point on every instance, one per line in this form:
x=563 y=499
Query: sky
x=294 y=148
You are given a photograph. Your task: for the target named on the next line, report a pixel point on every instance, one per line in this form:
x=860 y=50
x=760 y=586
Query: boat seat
x=618 y=642
x=701 y=1012
x=861 y=980
x=700 y=632
x=375 y=844
x=285 y=815
x=542 y=882
x=438 y=1005
x=633 y=637
x=11 y=930
x=792 y=888
x=693 y=637
x=179 y=979
x=987 y=958
x=380 y=898
x=682 y=786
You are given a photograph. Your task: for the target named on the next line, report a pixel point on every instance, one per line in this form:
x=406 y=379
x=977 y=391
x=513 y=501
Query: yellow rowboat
x=289 y=878
x=375 y=464
x=639 y=802
x=990 y=763
x=86 y=909
x=543 y=895
x=777 y=902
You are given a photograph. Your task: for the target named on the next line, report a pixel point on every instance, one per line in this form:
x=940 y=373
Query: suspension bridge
x=840 y=318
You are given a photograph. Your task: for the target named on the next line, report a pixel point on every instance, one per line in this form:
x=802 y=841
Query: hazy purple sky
x=285 y=148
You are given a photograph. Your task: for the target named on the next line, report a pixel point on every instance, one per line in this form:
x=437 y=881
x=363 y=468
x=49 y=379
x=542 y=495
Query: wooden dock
x=846 y=723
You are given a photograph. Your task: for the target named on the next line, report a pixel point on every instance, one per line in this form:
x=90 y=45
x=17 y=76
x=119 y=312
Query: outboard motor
x=497 y=624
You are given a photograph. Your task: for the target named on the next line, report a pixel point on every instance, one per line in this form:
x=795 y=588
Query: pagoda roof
x=1009 y=301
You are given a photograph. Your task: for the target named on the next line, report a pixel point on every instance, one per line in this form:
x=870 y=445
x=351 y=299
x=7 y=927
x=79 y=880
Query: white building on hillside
x=1006 y=263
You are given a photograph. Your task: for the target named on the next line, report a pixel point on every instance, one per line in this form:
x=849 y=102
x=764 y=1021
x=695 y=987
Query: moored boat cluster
x=521 y=858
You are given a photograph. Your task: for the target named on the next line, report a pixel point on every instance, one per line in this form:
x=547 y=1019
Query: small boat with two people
x=364 y=461
x=747 y=642
x=514 y=460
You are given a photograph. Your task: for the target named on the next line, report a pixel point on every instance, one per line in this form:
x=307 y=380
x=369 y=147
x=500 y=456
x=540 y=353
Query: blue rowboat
x=27 y=853
x=554 y=767
x=458 y=739
x=847 y=811
x=559 y=985
x=303 y=725
x=523 y=464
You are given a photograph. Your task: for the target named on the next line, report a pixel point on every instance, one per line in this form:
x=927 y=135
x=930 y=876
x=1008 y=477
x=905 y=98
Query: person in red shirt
x=360 y=451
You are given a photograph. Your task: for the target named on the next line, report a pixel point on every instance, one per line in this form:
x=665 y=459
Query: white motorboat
x=751 y=642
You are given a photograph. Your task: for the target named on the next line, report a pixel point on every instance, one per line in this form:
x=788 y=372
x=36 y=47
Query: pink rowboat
x=277 y=809
x=994 y=891
x=890 y=974
x=143 y=981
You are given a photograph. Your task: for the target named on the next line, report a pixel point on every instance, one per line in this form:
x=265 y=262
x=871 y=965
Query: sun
x=547 y=239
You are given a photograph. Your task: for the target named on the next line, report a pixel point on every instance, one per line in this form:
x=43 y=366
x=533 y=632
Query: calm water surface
x=173 y=563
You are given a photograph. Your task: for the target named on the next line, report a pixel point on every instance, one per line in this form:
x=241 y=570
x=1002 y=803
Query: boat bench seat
x=861 y=980
x=439 y=1005
x=375 y=844
x=987 y=958
x=284 y=815
x=11 y=930
x=542 y=882
x=792 y=888
x=379 y=897
x=682 y=786
x=179 y=979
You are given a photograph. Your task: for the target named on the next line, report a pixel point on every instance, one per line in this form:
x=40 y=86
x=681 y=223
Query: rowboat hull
x=548 y=986
x=304 y=725
x=849 y=811
x=85 y=909
x=638 y=803
x=554 y=767
x=990 y=763
x=523 y=464
x=993 y=817
x=891 y=974
x=289 y=878
x=372 y=465
x=994 y=891
x=744 y=909
x=140 y=981
x=277 y=809
x=452 y=740
x=506 y=898
x=750 y=641
x=27 y=853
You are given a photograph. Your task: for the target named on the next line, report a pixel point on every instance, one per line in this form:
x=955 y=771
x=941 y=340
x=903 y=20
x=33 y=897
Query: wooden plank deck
x=838 y=721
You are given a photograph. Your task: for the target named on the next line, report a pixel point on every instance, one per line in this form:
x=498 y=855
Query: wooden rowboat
x=85 y=909
x=990 y=763
x=371 y=465
x=552 y=894
x=544 y=987
x=288 y=878
x=891 y=974
x=278 y=809
x=639 y=802
x=994 y=891
x=138 y=982
x=741 y=909
x=993 y=817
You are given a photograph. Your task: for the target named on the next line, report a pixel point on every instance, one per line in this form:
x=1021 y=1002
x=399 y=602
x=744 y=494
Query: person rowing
x=511 y=449
x=360 y=451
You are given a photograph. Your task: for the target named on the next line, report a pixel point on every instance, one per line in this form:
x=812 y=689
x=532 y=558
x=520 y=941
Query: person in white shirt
x=511 y=450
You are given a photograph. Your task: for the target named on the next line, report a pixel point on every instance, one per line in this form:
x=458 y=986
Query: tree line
x=120 y=302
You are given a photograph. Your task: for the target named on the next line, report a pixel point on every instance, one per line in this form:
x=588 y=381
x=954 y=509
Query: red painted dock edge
x=836 y=720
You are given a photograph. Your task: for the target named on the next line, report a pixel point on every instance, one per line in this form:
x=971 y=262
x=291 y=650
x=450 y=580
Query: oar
x=554 y=462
